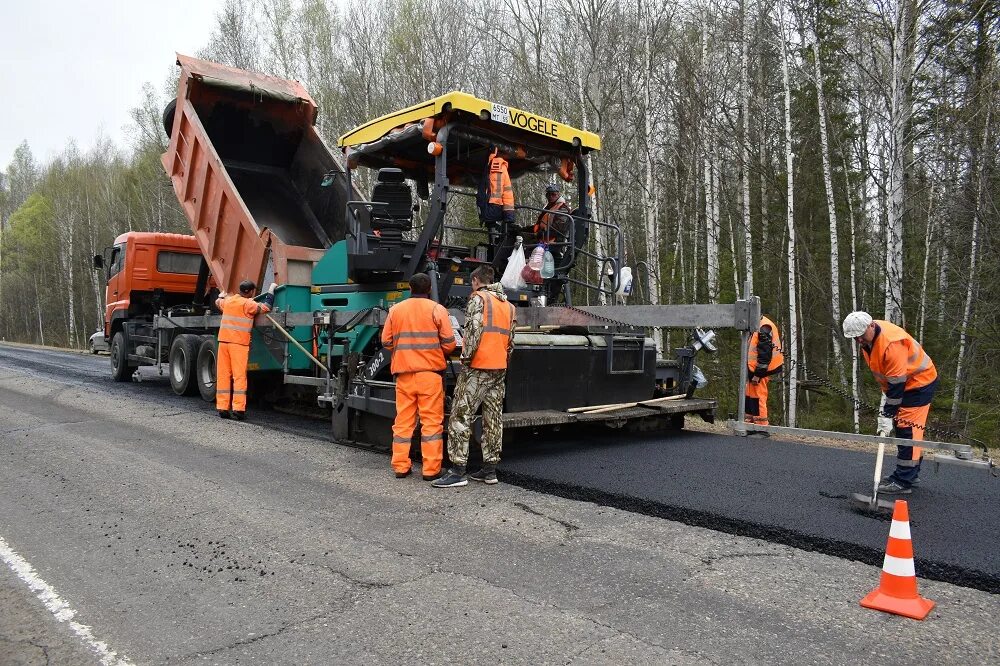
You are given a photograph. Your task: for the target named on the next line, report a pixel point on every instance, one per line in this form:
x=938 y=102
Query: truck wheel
x=205 y=372
x=168 y=117
x=183 y=355
x=121 y=370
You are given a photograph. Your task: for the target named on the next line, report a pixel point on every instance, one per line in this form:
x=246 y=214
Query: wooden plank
x=574 y=410
x=611 y=408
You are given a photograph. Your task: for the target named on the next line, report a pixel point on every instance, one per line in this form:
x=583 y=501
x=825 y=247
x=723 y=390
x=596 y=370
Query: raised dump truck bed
x=248 y=168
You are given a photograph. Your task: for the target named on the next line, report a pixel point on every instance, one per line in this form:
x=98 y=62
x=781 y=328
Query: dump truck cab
x=442 y=147
x=144 y=272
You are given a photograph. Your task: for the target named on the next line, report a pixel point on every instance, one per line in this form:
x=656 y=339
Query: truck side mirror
x=98 y=262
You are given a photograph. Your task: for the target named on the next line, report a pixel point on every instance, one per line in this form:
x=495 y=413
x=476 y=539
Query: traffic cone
x=897 y=590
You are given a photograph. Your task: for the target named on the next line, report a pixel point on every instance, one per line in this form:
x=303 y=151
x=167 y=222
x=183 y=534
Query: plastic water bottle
x=536 y=258
x=548 y=264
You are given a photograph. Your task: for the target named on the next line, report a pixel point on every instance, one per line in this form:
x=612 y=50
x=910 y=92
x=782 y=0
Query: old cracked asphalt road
x=177 y=537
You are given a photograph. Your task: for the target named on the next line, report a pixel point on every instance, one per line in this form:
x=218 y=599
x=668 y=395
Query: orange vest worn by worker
x=548 y=225
x=764 y=358
x=234 y=348
x=419 y=335
x=498 y=317
x=501 y=193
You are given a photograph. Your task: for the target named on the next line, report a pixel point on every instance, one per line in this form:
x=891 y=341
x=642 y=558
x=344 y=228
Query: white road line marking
x=58 y=606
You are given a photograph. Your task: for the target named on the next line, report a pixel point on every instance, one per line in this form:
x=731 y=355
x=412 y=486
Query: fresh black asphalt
x=783 y=492
x=779 y=491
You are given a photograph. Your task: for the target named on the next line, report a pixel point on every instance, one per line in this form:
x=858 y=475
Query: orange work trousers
x=231 y=377
x=419 y=394
x=909 y=424
x=755 y=406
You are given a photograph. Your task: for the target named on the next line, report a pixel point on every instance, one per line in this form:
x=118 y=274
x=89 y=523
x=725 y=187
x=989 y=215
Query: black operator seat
x=392 y=189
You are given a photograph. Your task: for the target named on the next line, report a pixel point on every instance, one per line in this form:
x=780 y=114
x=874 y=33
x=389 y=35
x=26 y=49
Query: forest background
x=836 y=154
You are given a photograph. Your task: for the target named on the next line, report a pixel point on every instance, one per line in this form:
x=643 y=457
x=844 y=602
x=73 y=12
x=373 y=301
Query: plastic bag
x=531 y=276
x=511 y=278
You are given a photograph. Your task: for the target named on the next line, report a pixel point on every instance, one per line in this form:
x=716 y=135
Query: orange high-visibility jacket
x=237 y=318
x=498 y=327
x=501 y=192
x=777 y=358
x=552 y=228
x=898 y=363
x=418 y=332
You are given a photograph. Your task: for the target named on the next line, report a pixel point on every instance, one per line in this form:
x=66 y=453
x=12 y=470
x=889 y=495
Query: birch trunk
x=900 y=109
x=973 y=257
x=928 y=236
x=831 y=207
x=711 y=184
x=791 y=353
x=652 y=201
x=745 y=157
x=854 y=302
x=599 y=245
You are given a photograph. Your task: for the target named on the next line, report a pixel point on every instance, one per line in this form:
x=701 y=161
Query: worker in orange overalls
x=908 y=379
x=234 y=347
x=487 y=343
x=764 y=359
x=419 y=336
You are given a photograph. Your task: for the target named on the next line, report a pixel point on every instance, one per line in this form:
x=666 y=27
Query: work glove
x=270 y=289
x=222 y=294
x=754 y=379
x=884 y=426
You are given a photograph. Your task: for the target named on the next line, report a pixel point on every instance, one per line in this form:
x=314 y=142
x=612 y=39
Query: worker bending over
x=908 y=379
x=764 y=359
x=419 y=336
x=238 y=312
x=488 y=340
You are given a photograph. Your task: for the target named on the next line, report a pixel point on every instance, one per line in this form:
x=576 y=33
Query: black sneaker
x=402 y=475
x=453 y=478
x=239 y=416
x=487 y=475
x=223 y=414
x=891 y=486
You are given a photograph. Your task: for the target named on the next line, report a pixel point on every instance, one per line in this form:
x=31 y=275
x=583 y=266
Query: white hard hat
x=856 y=324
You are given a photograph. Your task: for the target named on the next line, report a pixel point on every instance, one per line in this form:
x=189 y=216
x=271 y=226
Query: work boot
x=223 y=414
x=454 y=478
x=432 y=477
x=487 y=474
x=891 y=486
x=402 y=475
x=239 y=416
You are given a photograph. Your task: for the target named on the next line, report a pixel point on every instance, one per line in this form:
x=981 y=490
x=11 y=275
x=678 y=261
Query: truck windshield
x=178 y=262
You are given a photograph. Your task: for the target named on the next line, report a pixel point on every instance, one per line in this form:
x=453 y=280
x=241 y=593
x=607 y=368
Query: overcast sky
x=71 y=69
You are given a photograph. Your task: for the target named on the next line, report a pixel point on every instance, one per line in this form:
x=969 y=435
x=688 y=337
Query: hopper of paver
x=264 y=195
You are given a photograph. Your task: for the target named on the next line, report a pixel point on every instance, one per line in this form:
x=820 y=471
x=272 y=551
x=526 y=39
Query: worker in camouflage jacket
x=488 y=340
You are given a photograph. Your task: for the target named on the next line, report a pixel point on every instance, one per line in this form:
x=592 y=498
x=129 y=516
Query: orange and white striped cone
x=897 y=589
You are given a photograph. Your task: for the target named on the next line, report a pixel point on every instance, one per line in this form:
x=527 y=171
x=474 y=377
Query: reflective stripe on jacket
x=419 y=335
x=898 y=362
x=237 y=318
x=498 y=323
x=501 y=193
x=767 y=353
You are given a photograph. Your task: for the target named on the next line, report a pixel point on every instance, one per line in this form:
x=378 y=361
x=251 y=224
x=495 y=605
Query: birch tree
x=791 y=351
